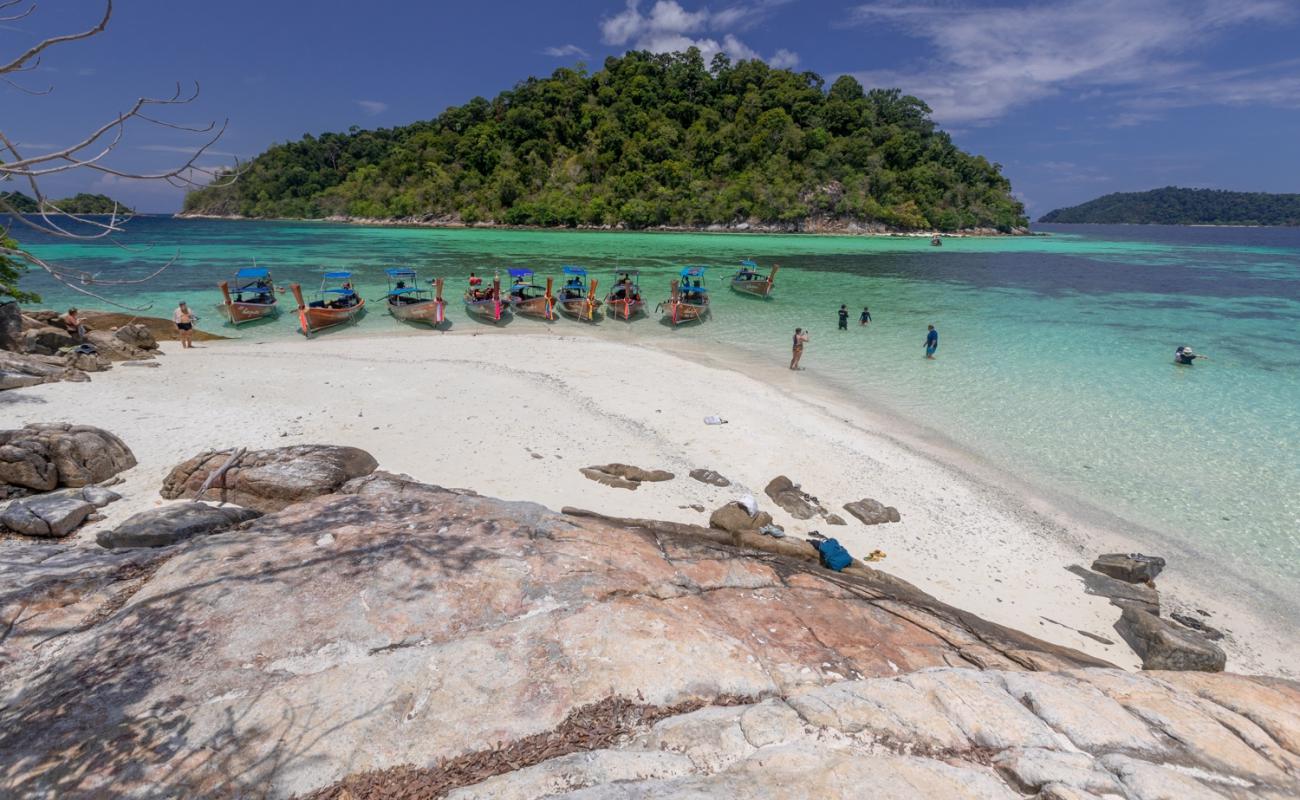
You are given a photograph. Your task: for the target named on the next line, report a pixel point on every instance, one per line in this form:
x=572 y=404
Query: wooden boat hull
x=678 y=312
x=313 y=319
x=539 y=307
x=239 y=313
x=491 y=310
x=624 y=309
x=581 y=308
x=434 y=312
x=760 y=288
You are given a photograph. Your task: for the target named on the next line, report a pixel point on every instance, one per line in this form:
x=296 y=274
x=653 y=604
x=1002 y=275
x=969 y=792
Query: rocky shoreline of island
x=824 y=227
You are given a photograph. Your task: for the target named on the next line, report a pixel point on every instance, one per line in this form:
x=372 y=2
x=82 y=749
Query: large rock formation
x=269 y=480
x=45 y=456
x=18 y=371
x=159 y=527
x=425 y=641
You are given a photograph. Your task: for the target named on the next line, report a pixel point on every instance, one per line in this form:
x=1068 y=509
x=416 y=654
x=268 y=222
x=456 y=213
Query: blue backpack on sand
x=833 y=555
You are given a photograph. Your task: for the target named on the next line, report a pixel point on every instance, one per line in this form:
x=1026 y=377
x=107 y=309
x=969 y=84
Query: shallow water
x=1055 y=360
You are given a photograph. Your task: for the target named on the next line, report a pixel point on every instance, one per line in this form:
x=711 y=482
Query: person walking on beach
x=844 y=317
x=865 y=319
x=184 y=320
x=799 y=339
x=931 y=343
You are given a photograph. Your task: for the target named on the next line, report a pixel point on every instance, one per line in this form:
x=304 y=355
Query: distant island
x=649 y=140
x=1174 y=206
x=77 y=204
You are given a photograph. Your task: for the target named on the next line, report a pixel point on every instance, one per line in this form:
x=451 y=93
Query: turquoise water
x=1055 y=360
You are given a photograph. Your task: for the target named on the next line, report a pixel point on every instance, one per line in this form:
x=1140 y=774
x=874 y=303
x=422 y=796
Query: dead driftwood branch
x=220 y=474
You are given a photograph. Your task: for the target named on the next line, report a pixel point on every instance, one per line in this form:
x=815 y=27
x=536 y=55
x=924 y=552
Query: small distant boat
x=688 y=300
x=409 y=303
x=578 y=296
x=936 y=242
x=748 y=281
x=528 y=299
x=485 y=301
x=253 y=298
x=336 y=303
x=624 y=301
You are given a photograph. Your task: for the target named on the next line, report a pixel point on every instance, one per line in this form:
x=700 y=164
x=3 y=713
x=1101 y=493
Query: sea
x=1056 y=350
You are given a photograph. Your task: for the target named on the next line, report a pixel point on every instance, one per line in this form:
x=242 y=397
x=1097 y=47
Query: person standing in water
x=799 y=339
x=184 y=320
x=931 y=343
x=865 y=319
x=1185 y=356
x=844 y=317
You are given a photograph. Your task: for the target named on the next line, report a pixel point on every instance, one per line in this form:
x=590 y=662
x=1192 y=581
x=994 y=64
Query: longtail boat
x=624 y=301
x=749 y=281
x=252 y=298
x=528 y=299
x=485 y=301
x=688 y=300
x=336 y=303
x=409 y=303
x=577 y=296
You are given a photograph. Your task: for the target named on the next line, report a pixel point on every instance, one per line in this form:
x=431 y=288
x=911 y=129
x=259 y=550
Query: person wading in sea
x=184 y=320
x=844 y=318
x=931 y=342
x=865 y=319
x=799 y=338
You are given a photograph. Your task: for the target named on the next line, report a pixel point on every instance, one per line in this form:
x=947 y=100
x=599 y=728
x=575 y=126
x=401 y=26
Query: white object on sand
x=714 y=421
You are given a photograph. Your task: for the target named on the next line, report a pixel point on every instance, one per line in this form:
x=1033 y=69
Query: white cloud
x=565 y=51
x=372 y=107
x=668 y=27
x=183 y=150
x=990 y=60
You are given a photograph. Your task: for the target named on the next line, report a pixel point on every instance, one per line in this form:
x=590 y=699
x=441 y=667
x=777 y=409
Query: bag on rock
x=833 y=555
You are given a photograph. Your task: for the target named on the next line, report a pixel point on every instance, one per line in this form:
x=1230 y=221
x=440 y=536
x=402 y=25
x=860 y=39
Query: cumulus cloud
x=669 y=27
x=372 y=107
x=988 y=61
x=565 y=51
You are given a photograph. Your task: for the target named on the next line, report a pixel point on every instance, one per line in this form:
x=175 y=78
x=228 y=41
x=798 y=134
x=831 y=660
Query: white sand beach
x=515 y=415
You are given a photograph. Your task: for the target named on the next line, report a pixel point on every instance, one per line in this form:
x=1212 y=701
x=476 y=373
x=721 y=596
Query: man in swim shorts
x=184 y=325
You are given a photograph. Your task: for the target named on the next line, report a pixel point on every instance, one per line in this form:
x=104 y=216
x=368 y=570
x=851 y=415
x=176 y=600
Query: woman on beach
x=799 y=338
x=184 y=325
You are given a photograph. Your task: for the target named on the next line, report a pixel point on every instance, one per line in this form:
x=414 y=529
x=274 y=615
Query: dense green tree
x=1174 y=206
x=649 y=139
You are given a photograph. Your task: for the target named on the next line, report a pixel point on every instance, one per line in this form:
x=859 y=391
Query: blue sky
x=1075 y=98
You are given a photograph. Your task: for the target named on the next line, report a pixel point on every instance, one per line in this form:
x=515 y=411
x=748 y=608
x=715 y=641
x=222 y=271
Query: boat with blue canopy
x=485 y=301
x=530 y=299
x=253 y=296
x=336 y=303
x=577 y=297
x=410 y=303
x=749 y=281
x=688 y=298
x=624 y=301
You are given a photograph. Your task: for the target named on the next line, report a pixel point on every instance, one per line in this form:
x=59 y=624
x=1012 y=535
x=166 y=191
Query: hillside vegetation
x=1174 y=206
x=648 y=140
x=82 y=203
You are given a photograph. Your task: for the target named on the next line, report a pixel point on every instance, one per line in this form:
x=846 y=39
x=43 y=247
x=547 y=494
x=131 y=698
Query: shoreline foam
x=515 y=415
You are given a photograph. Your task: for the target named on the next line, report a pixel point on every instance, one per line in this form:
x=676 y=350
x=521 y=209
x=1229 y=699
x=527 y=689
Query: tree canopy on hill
x=1174 y=206
x=82 y=203
x=650 y=139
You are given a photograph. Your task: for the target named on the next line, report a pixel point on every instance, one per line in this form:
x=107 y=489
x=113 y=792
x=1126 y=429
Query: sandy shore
x=516 y=415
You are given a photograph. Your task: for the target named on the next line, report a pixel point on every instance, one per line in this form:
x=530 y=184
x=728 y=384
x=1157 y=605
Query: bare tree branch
x=90 y=154
x=36 y=49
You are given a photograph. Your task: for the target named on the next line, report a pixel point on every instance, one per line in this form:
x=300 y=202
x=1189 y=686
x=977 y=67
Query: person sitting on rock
x=75 y=326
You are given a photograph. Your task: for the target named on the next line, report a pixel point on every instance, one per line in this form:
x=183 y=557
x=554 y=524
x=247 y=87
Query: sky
x=1075 y=98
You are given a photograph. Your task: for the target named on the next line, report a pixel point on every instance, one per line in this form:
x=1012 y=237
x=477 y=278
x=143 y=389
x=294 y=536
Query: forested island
x=82 y=203
x=649 y=140
x=1174 y=206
